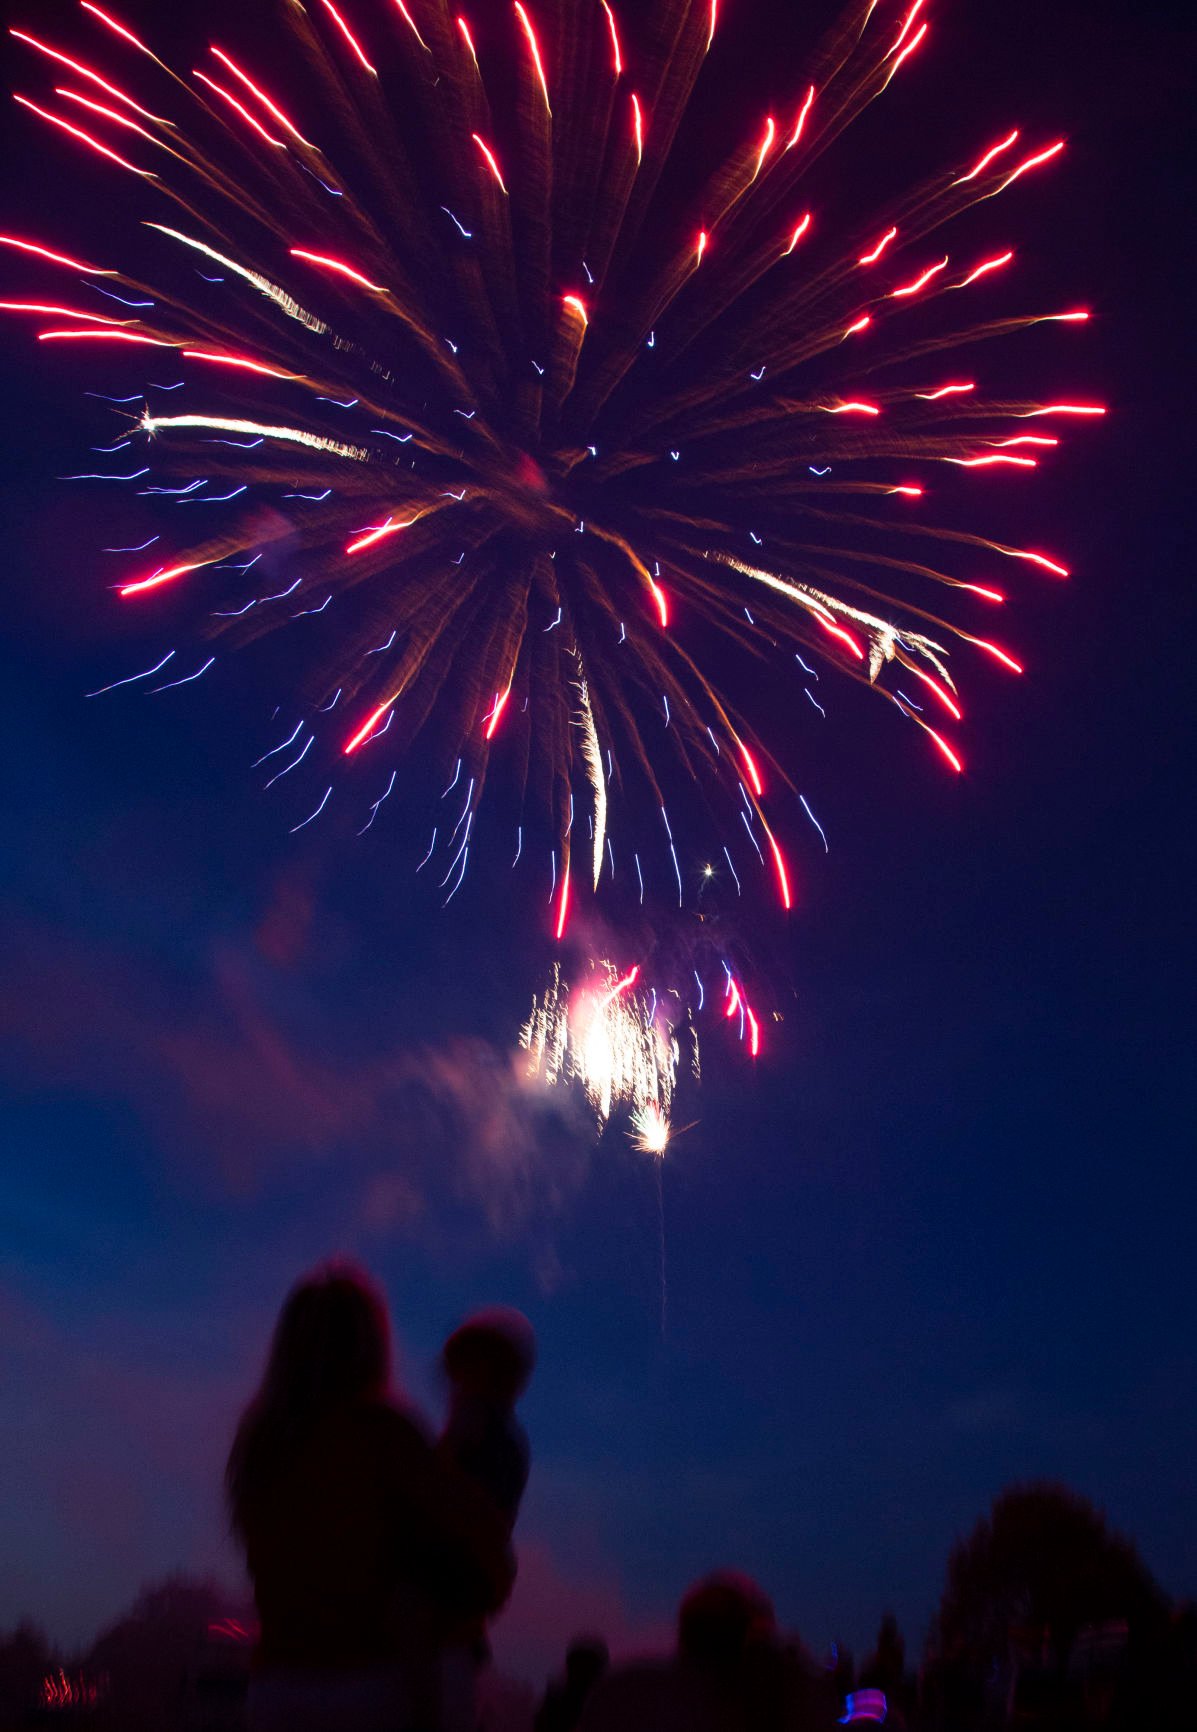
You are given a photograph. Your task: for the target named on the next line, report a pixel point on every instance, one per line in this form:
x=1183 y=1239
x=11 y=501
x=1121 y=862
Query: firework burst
x=615 y=1041
x=547 y=444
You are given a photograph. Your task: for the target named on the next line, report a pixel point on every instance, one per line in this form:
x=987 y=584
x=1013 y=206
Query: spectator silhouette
x=731 y=1673
x=364 y=1545
x=586 y=1659
x=487 y=1362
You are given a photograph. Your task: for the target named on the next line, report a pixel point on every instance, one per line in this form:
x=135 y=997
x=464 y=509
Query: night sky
x=939 y=1238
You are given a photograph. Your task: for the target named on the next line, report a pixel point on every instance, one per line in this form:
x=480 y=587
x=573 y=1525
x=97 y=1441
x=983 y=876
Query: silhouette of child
x=487 y=1362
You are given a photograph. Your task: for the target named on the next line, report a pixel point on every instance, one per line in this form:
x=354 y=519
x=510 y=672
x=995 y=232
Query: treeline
x=1047 y=1620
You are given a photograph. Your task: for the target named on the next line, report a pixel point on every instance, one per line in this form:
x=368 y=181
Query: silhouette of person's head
x=722 y=1617
x=491 y=1355
x=586 y=1659
x=332 y=1341
x=331 y=1347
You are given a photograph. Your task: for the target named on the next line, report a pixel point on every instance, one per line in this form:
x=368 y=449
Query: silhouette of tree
x=161 y=1658
x=25 y=1659
x=1044 y=1563
x=885 y=1669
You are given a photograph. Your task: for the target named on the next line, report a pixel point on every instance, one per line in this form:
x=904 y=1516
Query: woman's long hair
x=331 y=1347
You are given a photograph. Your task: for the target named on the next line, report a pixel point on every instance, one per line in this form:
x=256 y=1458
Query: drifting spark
x=130 y=679
x=1031 y=162
x=994 y=151
x=940 y=742
x=263 y=284
x=242 y=361
x=270 y=107
x=158 y=578
x=797 y=235
x=618 y=57
x=534 y=48
x=990 y=462
x=493 y=718
x=290 y=435
x=84 y=137
x=592 y=757
x=350 y=38
x=392 y=526
x=907 y=25
x=766 y=145
x=468 y=233
x=111 y=295
x=86 y=72
x=944 y=697
x=754 y=775
x=315 y=814
x=469 y=40
x=293 y=765
x=368 y=726
x=563 y=904
x=800 y=123
x=37 y=251
x=1034 y=558
x=1063 y=409
x=107 y=113
x=378 y=803
x=909 y=49
x=783 y=877
x=489 y=154
x=239 y=107
x=411 y=25
x=815 y=822
x=290 y=739
x=104 y=335
x=747 y=823
x=59 y=312
x=919 y=282
x=186 y=680
x=983 y=270
x=993 y=650
x=637 y=127
x=119 y=29
x=340 y=267
x=870 y=258
x=946 y=391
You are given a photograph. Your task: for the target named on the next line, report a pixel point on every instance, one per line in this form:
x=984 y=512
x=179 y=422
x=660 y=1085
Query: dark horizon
x=935 y=1241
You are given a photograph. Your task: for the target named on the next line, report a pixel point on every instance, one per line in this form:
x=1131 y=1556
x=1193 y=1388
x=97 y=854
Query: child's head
x=491 y=1355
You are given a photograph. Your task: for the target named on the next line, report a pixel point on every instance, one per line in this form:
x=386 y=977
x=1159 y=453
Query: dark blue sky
x=939 y=1239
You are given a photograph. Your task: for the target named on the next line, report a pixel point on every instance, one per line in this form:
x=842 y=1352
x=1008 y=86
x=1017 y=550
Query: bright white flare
x=615 y=1042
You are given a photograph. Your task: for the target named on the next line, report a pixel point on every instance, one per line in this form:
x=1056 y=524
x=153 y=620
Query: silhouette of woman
x=363 y=1546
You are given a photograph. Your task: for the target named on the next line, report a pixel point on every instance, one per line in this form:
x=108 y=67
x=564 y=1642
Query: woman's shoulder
x=393 y=1425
